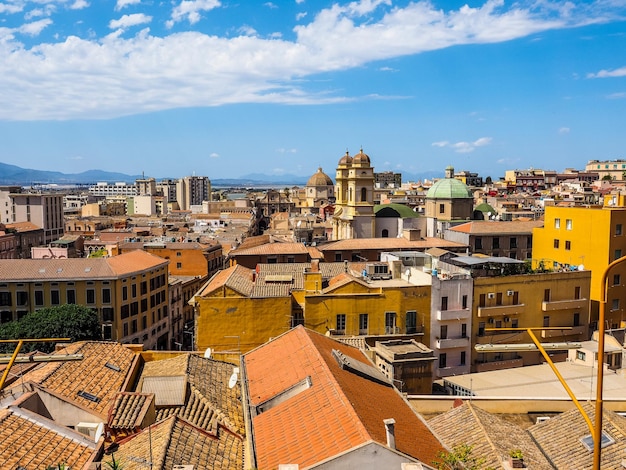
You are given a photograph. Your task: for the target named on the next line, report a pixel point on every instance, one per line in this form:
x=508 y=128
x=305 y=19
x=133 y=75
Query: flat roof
x=539 y=382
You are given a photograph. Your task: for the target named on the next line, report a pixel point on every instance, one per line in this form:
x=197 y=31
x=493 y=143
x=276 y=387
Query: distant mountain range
x=15 y=175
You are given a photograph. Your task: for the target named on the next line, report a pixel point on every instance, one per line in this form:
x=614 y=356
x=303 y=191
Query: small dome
x=361 y=158
x=320 y=179
x=346 y=159
x=449 y=188
x=484 y=207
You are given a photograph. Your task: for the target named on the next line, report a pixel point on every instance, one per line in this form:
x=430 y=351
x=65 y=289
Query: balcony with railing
x=460 y=314
x=449 y=343
x=578 y=332
x=571 y=304
x=498 y=310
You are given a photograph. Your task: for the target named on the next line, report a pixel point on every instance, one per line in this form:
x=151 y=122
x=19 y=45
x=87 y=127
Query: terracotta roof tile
x=271 y=249
x=498 y=227
x=490 y=436
x=389 y=244
x=29 y=444
x=71 y=379
x=174 y=441
x=331 y=416
x=129 y=410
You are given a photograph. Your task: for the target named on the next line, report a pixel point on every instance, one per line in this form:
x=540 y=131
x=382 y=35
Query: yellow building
x=592 y=237
x=240 y=309
x=550 y=299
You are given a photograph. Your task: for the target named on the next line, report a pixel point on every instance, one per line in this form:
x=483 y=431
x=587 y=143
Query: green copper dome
x=449 y=188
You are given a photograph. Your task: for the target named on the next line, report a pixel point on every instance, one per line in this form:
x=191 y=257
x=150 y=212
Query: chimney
x=315 y=265
x=391 y=432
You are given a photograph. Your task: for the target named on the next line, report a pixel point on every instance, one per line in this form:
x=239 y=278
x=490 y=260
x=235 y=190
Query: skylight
x=605 y=441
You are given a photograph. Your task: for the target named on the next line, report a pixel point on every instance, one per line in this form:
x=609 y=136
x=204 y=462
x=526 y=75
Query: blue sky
x=226 y=88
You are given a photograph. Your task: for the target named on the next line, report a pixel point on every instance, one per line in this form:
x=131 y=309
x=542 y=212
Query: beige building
x=129 y=292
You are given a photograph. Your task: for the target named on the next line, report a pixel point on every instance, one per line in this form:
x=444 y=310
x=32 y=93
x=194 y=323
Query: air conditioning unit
x=510 y=293
x=93 y=431
x=491 y=295
x=542 y=419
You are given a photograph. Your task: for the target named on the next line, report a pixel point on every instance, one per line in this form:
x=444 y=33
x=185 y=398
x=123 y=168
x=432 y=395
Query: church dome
x=320 y=179
x=449 y=188
x=346 y=159
x=361 y=158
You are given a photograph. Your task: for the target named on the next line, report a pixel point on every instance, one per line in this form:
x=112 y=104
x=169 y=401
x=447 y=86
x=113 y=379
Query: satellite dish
x=407 y=272
x=232 y=381
x=581 y=267
x=207 y=353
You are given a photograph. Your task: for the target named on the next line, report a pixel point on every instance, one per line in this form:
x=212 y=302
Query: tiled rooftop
x=31 y=445
x=491 y=437
x=271 y=249
x=78 y=268
x=389 y=244
x=515 y=227
x=331 y=416
x=129 y=410
x=175 y=441
x=78 y=381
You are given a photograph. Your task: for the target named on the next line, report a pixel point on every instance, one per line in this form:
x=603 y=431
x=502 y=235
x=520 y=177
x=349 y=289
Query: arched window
x=385 y=233
x=363 y=194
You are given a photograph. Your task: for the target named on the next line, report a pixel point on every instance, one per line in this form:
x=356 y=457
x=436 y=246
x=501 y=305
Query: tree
x=459 y=459
x=77 y=322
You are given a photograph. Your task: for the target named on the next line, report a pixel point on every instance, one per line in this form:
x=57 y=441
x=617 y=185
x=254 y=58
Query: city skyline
x=221 y=89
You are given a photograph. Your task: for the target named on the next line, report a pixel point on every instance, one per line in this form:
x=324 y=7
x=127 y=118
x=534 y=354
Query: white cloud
x=214 y=155
x=247 y=30
x=127 y=21
x=283 y=150
x=617 y=96
x=121 y=4
x=564 y=130
x=34 y=28
x=299 y=2
x=620 y=72
x=191 y=10
x=270 y=5
x=301 y=15
x=79 y=5
x=114 y=76
x=464 y=147
x=39 y=12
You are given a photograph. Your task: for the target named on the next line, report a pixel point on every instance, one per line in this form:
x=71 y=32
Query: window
x=107 y=314
x=577 y=292
x=615 y=304
x=180 y=265
x=38 y=298
x=144 y=322
x=444 y=303
x=91 y=296
x=463 y=330
x=5 y=299
x=124 y=293
x=55 y=297
x=463 y=354
x=557 y=223
x=363 y=323
x=337 y=257
x=390 y=322
x=125 y=329
x=340 y=325
x=529 y=242
x=556 y=243
x=22 y=298
x=144 y=287
x=107 y=332
x=482 y=300
x=443 y=332
x=442 y=360
x=496 y=243
x=133 y=290
x=568 y=245
x=514 y=323
x=179 y=254
x=616 y=279
x=363 y=194
x=618 y=229
x=576 y=321
x=411 y=322
x=106 y=295
x=442 y=208
x=513 y=242
x=71 y=296
x=546 y=295
x=133 y=327
x=481 y=328
x=478 y=243
x=464 y=301
x=618 y=254
x=499 y=298
x=546 y=321
x=568 y=224
x=580 y=355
